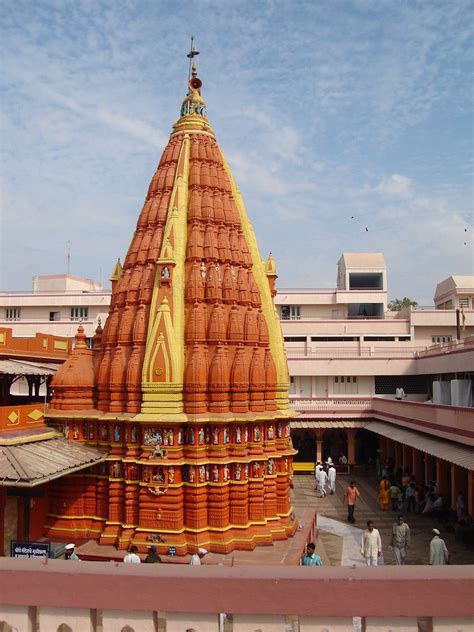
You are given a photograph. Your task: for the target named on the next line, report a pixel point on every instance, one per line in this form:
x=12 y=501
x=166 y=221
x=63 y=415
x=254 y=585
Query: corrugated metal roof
x=30 y=464
x=23 y=367
x=441 y=448
x=321 y=423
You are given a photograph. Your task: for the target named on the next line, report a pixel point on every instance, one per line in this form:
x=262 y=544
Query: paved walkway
x=338 y=542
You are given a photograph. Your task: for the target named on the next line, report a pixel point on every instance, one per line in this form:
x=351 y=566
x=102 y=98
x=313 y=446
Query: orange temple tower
x=186 y=388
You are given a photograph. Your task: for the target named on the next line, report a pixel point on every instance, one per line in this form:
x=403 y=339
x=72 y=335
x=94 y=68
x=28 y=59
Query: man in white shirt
x=132 y=557
x=399 y=393
x=400 y=540
x=323 y=479
x=196 y=557
x=332 y=479
x=439 y=555
x=371 y=544
x=317 y=471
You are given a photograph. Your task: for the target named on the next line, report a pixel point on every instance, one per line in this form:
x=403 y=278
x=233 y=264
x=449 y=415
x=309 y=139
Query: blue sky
x=324 y=110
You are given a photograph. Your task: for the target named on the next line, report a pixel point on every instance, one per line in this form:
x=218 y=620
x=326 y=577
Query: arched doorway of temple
x=334 y=444
x=366 y=446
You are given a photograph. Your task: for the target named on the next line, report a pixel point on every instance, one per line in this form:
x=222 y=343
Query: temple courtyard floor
x=337 y=541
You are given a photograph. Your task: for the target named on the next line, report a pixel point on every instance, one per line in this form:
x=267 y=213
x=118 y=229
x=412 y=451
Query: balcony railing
x=451 y=422
x=349 y=403
x=103 y=596
x=353 y=352
x=448 y=347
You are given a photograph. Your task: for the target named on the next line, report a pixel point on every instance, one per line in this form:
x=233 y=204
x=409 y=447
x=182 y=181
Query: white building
x=56 y=305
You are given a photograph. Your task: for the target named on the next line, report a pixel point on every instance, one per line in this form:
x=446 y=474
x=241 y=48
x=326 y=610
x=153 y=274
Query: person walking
x=351 y=494
x=317 y=471
x=332 y=479
x=400 y=540
x=132 y=557
x=439 y=554
x=394 y=492
x=323 y=479
x=310 y=558
x=460 y=507
x=384 y=494
x=410 y=497
x=371 y=545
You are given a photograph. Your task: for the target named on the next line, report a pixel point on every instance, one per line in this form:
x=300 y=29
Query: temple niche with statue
x=186 y=387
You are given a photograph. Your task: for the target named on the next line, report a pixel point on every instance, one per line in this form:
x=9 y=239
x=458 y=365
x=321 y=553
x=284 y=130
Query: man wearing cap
x=70 y=555
x=400 y=540
x=152 y=557
x=197 y=557
x=438 y=552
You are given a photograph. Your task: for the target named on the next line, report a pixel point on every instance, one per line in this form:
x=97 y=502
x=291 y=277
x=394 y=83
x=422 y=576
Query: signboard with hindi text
x=29 y=549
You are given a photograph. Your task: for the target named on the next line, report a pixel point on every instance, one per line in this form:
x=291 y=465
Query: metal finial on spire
x=192 y=53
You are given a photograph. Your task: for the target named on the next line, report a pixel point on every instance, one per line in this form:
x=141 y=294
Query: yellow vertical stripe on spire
x=167 y=396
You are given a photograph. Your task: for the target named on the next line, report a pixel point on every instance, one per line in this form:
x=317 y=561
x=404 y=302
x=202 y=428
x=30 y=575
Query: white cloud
x=396 y=186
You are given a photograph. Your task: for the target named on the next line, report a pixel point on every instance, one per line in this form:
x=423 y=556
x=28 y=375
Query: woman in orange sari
x=384 y=494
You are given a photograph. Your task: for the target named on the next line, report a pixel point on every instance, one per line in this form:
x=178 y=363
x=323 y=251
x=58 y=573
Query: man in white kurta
x=438 y=552
x=323 y=479
x=317 y=471
x=332 y=479
x=371 y=545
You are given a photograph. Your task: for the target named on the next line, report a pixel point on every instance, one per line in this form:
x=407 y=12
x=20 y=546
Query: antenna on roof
x=68 y=256
x=192 y=53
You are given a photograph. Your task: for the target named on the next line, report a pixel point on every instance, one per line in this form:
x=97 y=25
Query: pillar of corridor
x=398 y=455
x=443 y=479
x=470 y=493
x=350 y=432
x=417 y=466
x=428 y=468
x=458 y=484
x=319 y=447
x=406 y=457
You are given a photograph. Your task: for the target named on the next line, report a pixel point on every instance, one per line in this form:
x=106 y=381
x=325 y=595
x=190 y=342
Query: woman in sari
x=384 y=494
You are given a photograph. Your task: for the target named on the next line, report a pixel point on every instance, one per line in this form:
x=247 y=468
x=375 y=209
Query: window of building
x=290 y=312
x=464 y=302
x=379 y=338
x=292 y=385
x=12 y=313
x=345 y=385
x=54 y=315
x=79 y=313
x=334 y=338
x=439 y=339
x=411 y=384
x=294 y=338
x=404 y=338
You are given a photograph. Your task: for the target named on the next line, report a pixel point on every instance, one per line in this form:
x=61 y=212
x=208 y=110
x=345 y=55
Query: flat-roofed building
x=56 y=304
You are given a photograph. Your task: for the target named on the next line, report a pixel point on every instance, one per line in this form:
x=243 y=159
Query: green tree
x=397 y=304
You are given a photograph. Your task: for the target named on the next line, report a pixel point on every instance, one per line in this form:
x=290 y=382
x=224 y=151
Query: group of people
x=400 y=491
x=132 y=556
x=325 y=478
x=372 y=552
